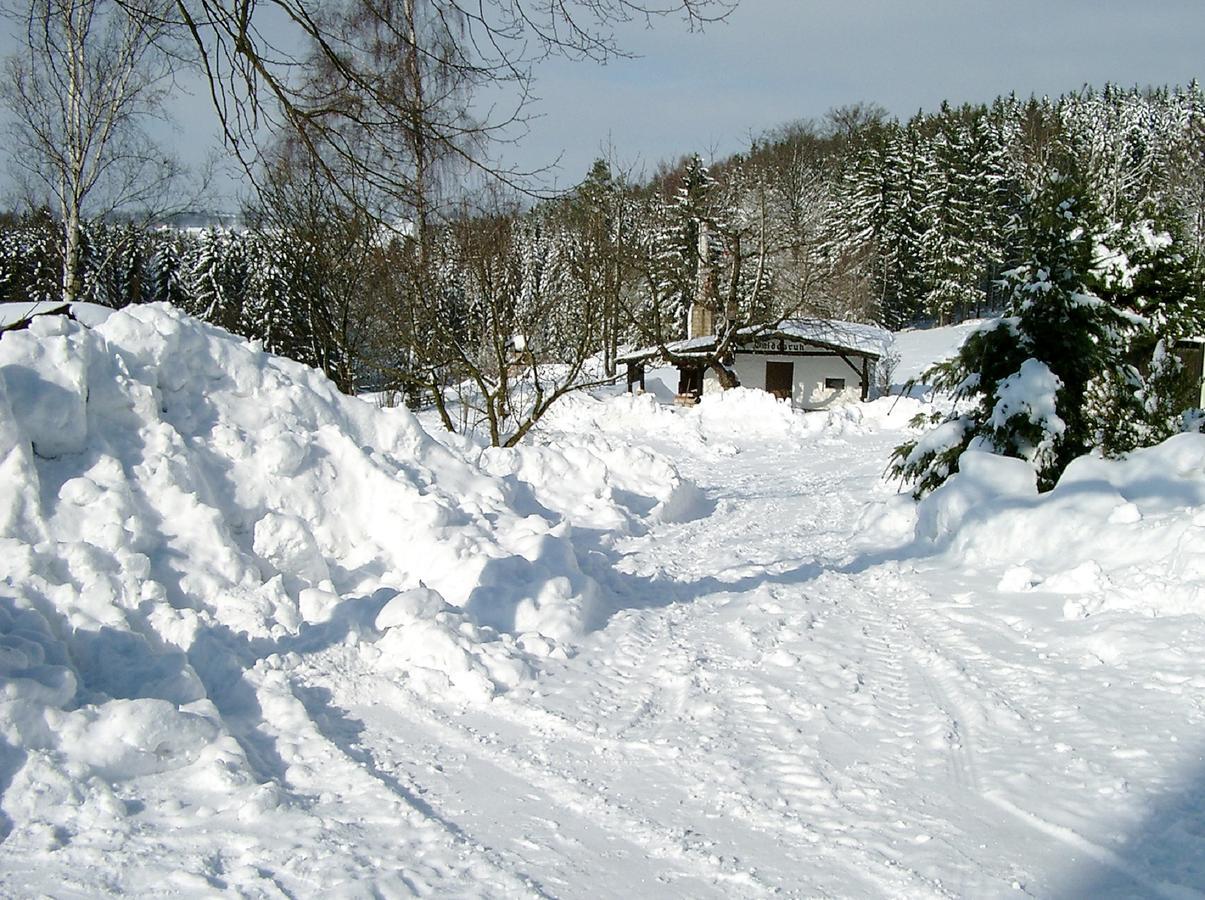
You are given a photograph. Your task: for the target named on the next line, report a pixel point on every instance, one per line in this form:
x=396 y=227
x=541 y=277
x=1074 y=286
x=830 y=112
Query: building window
x=834 y=384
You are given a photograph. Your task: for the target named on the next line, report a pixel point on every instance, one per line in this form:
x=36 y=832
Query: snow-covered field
x=257 y=639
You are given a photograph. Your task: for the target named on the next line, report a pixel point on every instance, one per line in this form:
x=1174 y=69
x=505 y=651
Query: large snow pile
x=176 y=504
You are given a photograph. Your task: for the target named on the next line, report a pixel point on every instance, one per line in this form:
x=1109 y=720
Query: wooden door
x=690 y=382
x=1192 y=357
x=780 y=379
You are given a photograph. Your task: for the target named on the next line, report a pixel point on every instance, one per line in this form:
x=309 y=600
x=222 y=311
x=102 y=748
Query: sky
x=775 y=61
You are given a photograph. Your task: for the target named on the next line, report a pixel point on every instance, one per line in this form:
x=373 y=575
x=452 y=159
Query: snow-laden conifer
x=1020 y=382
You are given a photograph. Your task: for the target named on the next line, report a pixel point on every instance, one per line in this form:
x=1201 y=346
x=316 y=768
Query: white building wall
x=810 y=373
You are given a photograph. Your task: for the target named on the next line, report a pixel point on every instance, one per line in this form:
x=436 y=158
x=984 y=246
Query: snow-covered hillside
x=260 y=639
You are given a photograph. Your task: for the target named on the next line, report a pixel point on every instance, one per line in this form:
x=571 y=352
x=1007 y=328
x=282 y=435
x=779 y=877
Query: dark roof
x=840 y=337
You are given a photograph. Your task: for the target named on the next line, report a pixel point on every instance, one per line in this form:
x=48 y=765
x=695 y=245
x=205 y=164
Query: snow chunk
x=45 y=369
x=596 y=483
x=440 y=650
x=129 y=738
x=411 y=606
x=286 y=544
x=1031 y=392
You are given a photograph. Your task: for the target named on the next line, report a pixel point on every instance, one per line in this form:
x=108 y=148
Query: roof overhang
x=793 y=337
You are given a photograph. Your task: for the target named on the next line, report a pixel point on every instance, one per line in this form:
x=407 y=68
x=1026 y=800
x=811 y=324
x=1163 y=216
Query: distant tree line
x=502 y=304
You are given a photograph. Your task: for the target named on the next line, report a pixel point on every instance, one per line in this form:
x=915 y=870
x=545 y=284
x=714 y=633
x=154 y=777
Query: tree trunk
x=726 y=376
x=72 y=241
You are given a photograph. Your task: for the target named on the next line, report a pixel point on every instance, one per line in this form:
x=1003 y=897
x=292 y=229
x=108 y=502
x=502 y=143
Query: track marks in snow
x=1151 y=887
x=366 y=822
x=552 y=803
x=721 y=698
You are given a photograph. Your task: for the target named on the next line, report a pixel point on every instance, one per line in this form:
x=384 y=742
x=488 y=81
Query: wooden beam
x=635 y=375
x=849 y=363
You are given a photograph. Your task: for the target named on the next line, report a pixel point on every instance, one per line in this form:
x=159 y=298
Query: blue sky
x=778 y=60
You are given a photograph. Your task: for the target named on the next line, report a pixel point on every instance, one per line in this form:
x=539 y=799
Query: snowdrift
x=1112 y=534
x=595 y=483
x=723 y=423
x=177 y=505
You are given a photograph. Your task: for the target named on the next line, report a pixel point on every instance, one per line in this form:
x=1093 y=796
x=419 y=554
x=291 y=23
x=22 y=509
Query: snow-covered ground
x=257 y=639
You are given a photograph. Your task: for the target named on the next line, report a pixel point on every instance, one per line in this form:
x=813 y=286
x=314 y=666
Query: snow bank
x=176 y=504
x=1112 y=534
x=592 y=482
x=721 y=425
x=242 y=476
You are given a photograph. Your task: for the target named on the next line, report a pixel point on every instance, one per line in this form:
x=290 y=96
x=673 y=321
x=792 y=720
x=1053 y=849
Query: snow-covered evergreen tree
x=685 y=248
x=876 y=211
x=1147 y=270
x=30 y=261
x=217 y=279
x=953 y=250
x=167 y=268
x=1022 y=380
x=113 y=264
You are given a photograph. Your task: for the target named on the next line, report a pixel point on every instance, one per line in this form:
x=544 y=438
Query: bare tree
x=845 y=122
x=510 y=326
x=599 y=215
x=419 y=83
x=338 y=261
x=92 y=74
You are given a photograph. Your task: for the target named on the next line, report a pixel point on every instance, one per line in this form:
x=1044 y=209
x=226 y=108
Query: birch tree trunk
x=91 y=74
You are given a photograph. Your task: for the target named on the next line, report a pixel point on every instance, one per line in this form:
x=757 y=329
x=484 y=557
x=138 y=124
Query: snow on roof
x=855 y=336
x=851 y=337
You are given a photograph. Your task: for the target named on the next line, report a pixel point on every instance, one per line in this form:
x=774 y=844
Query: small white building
x=815 y=363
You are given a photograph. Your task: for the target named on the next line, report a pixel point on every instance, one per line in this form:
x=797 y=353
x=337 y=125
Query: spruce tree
x=1027 y=373
x=1148 y=271
x=951 y=248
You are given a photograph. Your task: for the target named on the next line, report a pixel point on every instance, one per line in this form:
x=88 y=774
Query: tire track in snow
x=821 y=799
x=1103 y=855
x=900 y=712
x=343 y=733
x=587 y=799
x=784 y=789
x=353 y=802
